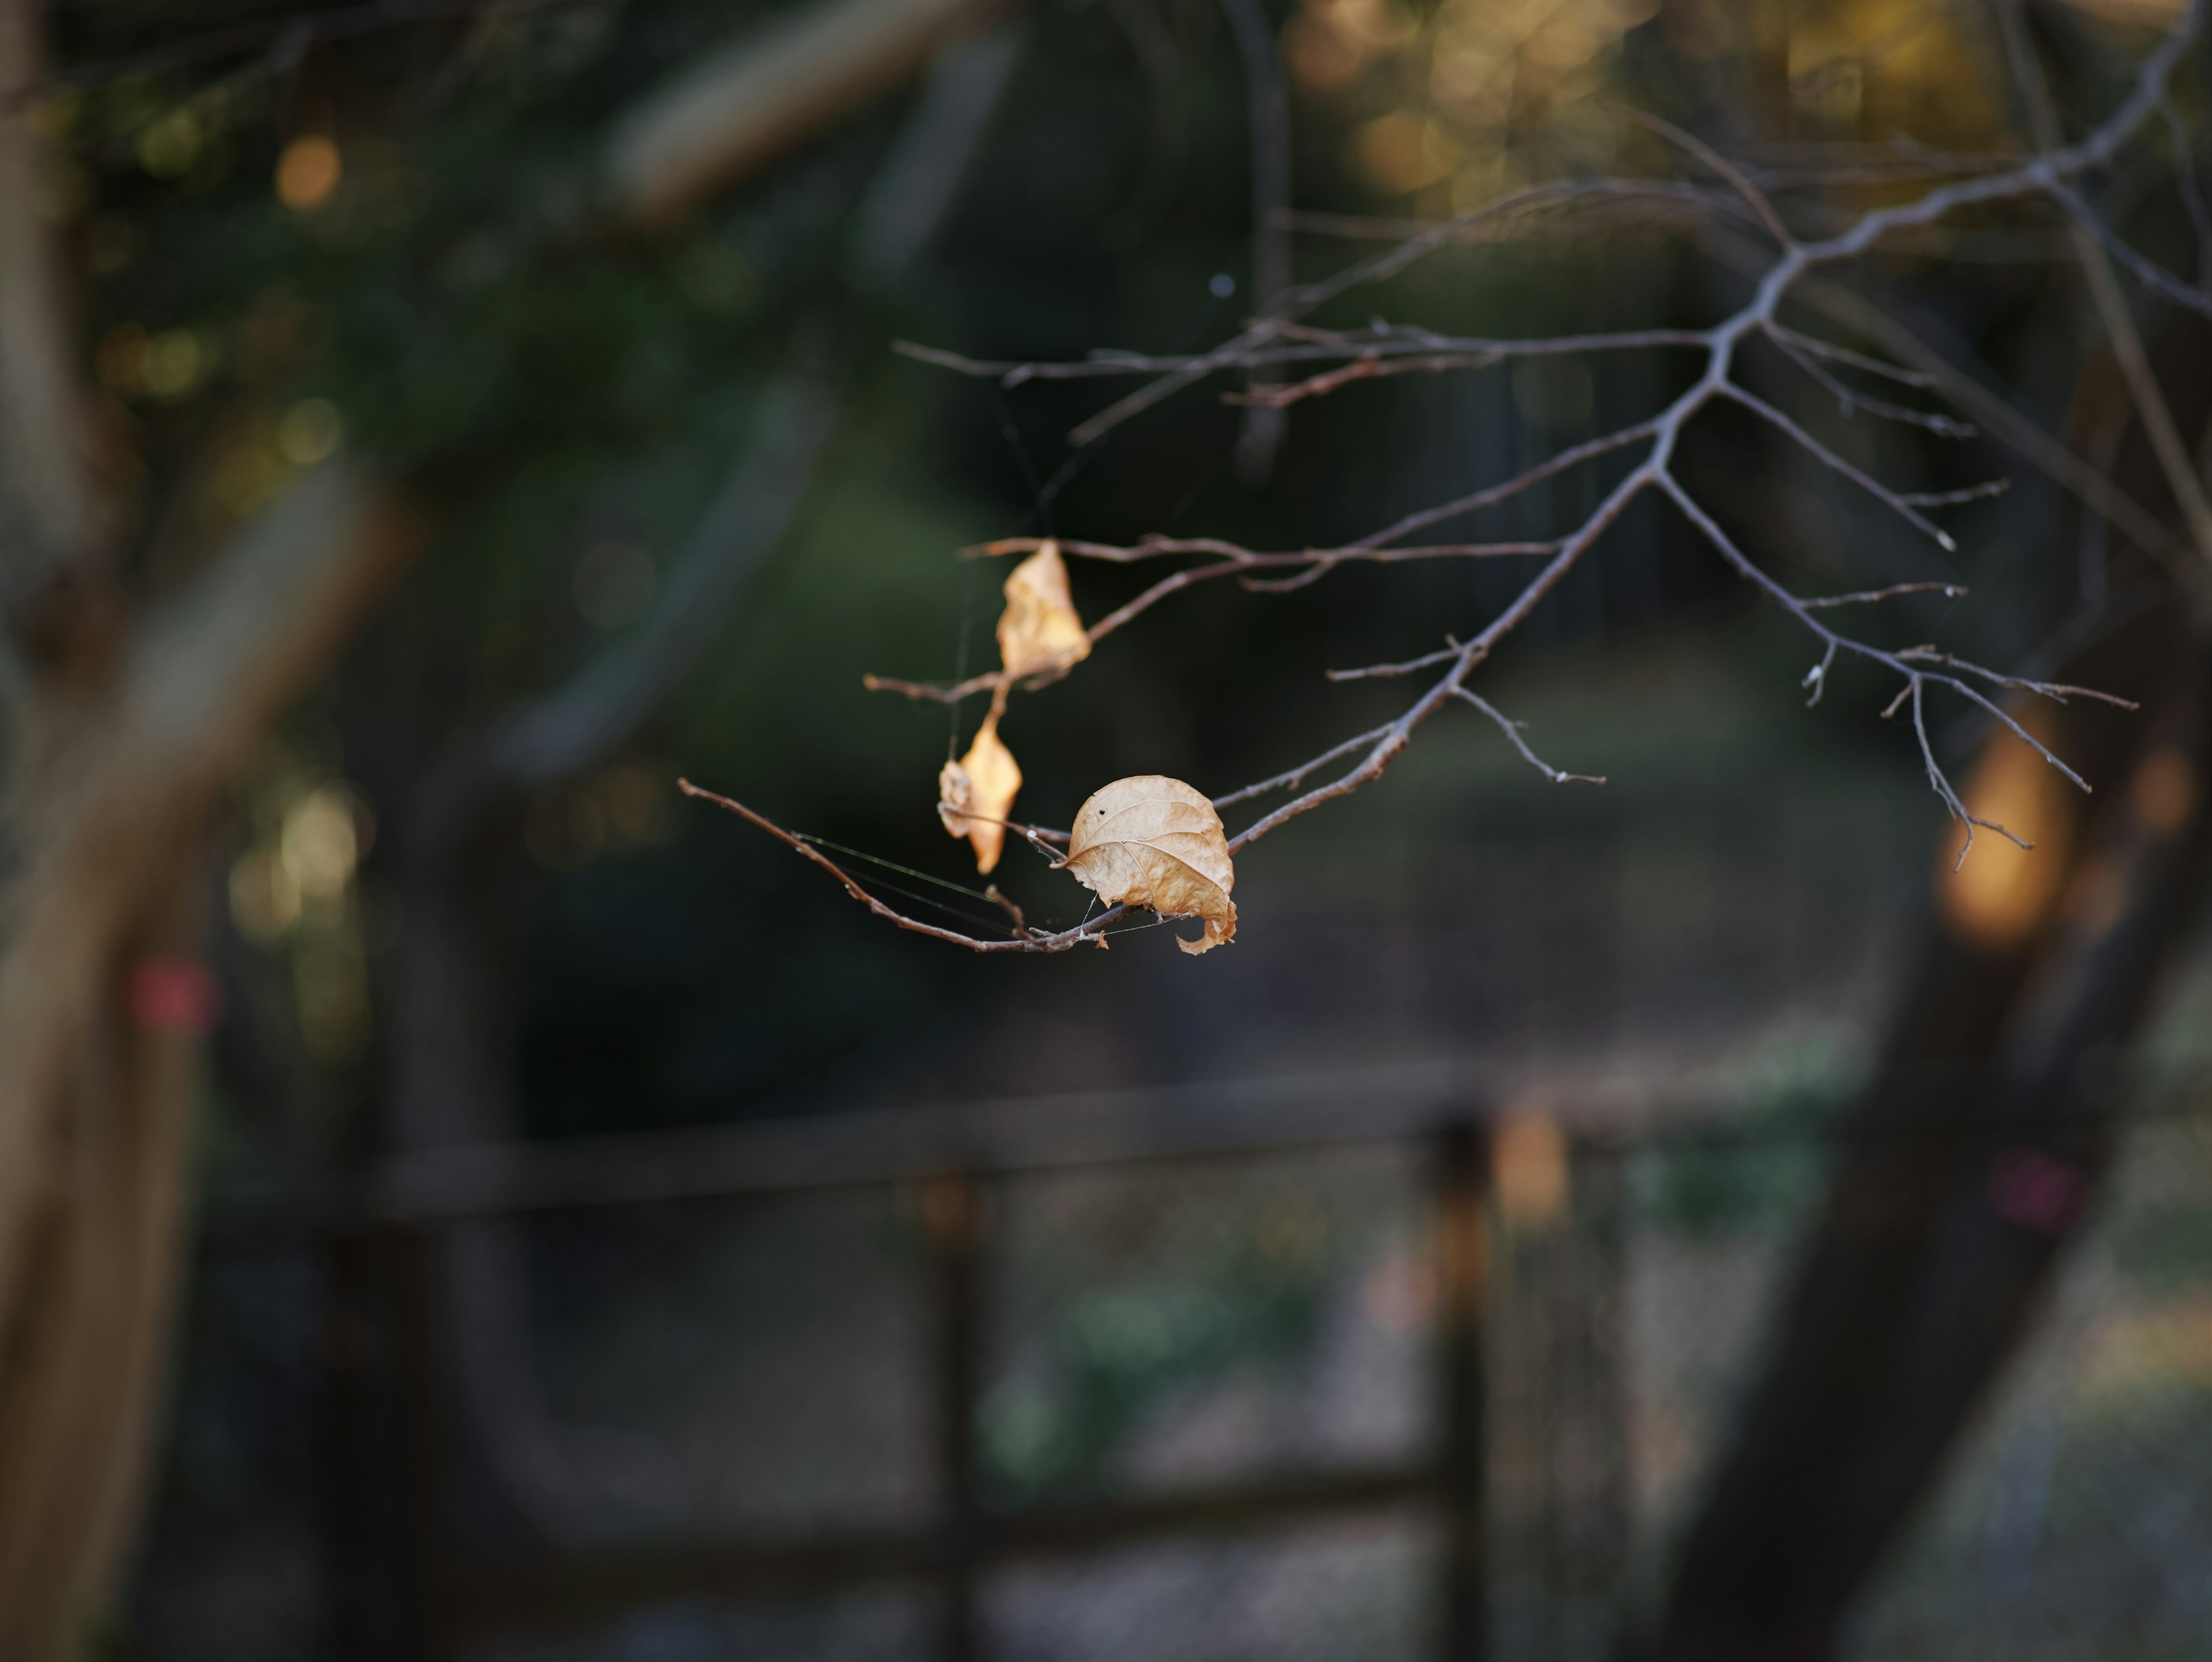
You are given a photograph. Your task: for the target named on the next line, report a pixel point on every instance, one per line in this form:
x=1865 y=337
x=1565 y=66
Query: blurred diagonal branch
x=1268 y=119
x=579 y=723
x=920 y=178
x=46 y=516
x=451 y=1082
x=2050 y=455
x=2119 y=323
x=718 y=122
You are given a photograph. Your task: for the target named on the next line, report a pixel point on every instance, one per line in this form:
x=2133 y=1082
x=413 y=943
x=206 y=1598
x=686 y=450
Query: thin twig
x=1816 y=347
x=1512 y=731
x=1378 y=672
x=1030 y=941
x=1973 y=493
x=1720 y=164
x=1297 y=776
x=2146 y=271
x=2070 y=472
x=2185 y=178
x=1827 y=458
x=1308 y=565
x=1851 y=400
x=2151 y=95
x=1952 y=590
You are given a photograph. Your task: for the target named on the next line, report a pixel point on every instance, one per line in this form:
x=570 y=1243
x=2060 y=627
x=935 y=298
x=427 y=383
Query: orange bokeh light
x=2000 y=894
x=308 y=172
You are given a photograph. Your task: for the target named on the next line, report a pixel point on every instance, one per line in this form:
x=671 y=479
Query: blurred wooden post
x=381 y=1449
x=952 y=1213
x=1590 y=1463
x=1462 y=1268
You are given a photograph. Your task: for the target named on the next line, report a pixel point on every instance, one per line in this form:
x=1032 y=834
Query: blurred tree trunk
x=123 y=729
x=124 y=723
x=461 y=888
x=1971 y=1159
x=466 y=898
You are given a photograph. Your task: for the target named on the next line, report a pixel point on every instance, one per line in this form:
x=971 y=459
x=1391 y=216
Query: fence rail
x=1528 y=1331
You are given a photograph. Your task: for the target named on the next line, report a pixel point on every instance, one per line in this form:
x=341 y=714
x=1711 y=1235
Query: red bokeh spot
x=174 y=996
x=2036 y=1192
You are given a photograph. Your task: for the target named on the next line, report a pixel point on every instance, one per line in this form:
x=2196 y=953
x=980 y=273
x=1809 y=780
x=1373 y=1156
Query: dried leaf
x=1152 y=840
x=1039 y=633
x=976 y=794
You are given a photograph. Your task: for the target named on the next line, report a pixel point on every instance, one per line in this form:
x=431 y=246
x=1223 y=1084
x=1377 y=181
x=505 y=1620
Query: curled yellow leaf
x=1039 y=632
x=976 y=794
x=1152 y=841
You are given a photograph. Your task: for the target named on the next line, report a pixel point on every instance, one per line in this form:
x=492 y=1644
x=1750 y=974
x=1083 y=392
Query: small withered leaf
x=1039 y=632
x=1152 y=841
x=976 y=794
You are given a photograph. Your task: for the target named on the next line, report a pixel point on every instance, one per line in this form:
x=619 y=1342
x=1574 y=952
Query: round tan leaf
x=1152 y=841
x=1039 y=633
x=976 y=794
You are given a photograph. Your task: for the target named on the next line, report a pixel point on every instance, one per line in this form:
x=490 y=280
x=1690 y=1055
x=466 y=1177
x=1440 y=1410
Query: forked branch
x=1331 y=359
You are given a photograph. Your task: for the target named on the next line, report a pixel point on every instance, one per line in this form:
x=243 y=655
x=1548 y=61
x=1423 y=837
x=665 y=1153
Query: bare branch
x=1372 y=363
x=1394 y=738
x=2192 y=196
x=1941 y=784
x=1378 y=672
x=1633 y=202
x=1851 y=401
x=1788 y=274
x=1275 y=343
x=1022 y=931
x=1299 y=301
x=738 y=108
x=1297 y=775
x=1721 y=165
x=1866 y=482
x=2057 y=691
x=1904 y=663
x=1817 y=677
x=1952 y=590
x=1175 y=380
x=1028 y=940
x=2153 y=276
x=1973 y=493
x=2150 y=96
x=2084 y=481
x=1512 y=731
x=1815 y=347
x=564 y=732
x=1826 y=166
x=1309 y=566
x=48 y=525
x=1490 y=495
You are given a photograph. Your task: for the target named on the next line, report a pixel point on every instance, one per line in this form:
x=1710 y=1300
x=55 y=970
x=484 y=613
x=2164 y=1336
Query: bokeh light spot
x=174 y=361
x=308 y=172
x=310 y=430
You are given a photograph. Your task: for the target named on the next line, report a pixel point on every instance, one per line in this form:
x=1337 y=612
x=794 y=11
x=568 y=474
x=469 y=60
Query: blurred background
x=462 y=1199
